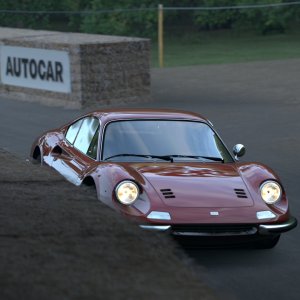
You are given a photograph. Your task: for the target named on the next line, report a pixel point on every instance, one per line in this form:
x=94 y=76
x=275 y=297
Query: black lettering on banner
x=41 y=69
x=9 y=67
x=33 y=68
x=17 y=66
x=58 y=71
x=50 y=71
x=25 y=62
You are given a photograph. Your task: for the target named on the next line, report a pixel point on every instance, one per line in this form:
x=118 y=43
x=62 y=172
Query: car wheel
x=267 y=242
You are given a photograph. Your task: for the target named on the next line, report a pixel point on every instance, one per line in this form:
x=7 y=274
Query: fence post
x=161 y=35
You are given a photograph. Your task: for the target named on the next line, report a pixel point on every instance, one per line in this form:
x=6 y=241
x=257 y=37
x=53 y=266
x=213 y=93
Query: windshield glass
x=183 y=140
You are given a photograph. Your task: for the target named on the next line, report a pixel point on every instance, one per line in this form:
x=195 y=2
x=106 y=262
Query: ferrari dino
x=169 y=171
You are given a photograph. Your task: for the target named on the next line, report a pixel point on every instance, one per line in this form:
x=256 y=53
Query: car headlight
x=270 y=192
x=127 y=192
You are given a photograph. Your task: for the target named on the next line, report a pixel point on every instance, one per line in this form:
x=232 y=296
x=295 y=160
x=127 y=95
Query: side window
x=92 y=151
x=72 y=131
x=87 y=137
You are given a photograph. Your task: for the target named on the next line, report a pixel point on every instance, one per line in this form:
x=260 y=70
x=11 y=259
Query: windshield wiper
x=163 y=157
x=166 y=157
x=197 y=157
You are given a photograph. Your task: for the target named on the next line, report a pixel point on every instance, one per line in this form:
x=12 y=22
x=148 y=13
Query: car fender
x=254 y=174
x=108 y=175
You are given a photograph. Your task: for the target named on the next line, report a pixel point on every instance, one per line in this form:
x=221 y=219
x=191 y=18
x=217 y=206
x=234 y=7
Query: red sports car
x=170 y=171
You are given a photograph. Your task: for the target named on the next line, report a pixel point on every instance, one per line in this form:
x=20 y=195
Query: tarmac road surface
x=257 y=104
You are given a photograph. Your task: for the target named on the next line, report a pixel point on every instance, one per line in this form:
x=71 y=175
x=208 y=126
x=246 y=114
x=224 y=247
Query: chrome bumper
x=277 y=228
x=156 y=227
x=262 y=229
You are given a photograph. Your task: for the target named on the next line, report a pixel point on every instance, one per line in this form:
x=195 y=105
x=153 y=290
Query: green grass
x=226 y=47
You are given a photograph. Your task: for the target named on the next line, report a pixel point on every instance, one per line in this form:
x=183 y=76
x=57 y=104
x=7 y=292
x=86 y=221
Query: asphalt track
x=257 y=104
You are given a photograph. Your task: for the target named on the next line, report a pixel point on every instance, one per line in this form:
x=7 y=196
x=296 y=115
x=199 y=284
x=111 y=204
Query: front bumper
x=277 y=228
x=224 y=229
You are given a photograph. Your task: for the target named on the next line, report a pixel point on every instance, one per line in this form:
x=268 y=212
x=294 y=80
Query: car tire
x=267 y=242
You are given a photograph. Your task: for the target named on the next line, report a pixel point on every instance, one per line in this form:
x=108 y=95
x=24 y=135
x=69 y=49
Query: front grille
x=213 y=230
x=240 y=193
x=167 y=193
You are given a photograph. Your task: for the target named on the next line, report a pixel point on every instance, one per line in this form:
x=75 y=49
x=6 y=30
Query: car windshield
x=162 y=140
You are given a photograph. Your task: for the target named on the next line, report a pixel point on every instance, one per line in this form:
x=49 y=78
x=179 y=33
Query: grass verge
x=223 y=47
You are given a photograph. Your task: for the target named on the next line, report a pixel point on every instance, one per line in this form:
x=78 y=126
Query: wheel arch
x=36 y=152
x=89 y=181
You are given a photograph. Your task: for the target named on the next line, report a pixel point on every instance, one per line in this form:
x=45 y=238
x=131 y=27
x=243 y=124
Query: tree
x=264 y=19
x=121 y=21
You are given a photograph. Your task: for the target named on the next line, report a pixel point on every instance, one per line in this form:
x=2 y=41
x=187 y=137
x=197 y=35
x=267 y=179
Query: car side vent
x=167 y=193
x=240 y=193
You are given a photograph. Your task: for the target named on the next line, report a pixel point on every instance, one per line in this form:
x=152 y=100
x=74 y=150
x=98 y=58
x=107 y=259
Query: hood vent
x=167 y=193
x=240 y=193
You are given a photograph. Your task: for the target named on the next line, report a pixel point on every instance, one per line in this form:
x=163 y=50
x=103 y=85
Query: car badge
x=214 y=213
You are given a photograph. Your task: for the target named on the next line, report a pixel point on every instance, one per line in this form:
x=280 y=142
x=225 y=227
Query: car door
x=78 y=150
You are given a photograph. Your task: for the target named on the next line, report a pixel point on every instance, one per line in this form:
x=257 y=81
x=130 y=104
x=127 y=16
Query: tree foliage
x=263 y=20
x=119 y=20
x=19 y=19
x=215 y=19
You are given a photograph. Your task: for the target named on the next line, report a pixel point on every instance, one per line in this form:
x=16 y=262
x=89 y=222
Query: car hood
x=197 y=185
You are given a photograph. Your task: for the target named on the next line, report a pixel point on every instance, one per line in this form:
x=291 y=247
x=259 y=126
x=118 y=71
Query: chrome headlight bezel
x=271 y=191
x=127 y=192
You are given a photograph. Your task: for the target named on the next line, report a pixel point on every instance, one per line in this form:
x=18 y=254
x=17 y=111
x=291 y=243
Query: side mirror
x=238 y=151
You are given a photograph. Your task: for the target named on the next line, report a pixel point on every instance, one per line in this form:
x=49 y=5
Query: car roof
x=121 y=114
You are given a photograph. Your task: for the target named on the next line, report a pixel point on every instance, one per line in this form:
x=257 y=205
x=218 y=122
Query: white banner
x=35 y=68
